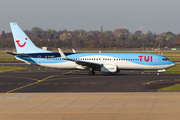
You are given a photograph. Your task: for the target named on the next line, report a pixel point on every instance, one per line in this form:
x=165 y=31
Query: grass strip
x=10 y=68
x=173 y=87
x=173 y=70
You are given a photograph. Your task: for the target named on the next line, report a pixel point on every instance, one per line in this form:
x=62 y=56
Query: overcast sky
x=157 y=16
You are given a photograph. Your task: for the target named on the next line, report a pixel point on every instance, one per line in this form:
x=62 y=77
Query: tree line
x=79 y=39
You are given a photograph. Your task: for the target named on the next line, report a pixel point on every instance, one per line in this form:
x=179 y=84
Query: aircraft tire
x=91 y=73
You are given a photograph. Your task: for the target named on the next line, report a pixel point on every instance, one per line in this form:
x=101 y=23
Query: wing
x=83 y=63
x=88 y=64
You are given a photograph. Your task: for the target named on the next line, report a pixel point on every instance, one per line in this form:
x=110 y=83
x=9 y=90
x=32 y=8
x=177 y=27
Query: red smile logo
x=19 y=43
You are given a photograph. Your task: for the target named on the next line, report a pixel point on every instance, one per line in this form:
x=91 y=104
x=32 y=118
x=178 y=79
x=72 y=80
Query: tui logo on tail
x=20 y=44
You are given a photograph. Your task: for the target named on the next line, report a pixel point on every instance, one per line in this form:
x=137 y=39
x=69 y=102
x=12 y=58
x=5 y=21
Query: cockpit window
x=165 y=59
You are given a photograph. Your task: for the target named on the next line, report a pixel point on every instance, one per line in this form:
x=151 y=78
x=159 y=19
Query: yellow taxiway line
x=38 y=81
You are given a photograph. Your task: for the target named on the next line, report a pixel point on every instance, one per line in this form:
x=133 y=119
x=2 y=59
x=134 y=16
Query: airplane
x=103 y=62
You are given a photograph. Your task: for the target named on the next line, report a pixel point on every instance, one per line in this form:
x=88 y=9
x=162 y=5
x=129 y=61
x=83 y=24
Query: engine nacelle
x=109 y=68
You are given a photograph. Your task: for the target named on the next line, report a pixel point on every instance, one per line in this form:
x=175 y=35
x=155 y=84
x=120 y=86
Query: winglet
x=62 y=54
x=73 y=51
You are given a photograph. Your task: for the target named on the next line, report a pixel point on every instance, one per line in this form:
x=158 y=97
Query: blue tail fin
x=22 y=42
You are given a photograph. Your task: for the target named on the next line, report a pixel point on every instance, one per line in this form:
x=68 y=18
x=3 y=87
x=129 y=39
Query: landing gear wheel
x=91 y=72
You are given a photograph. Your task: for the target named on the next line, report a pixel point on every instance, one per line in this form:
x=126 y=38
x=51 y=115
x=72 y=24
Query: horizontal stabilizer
x=16 y=54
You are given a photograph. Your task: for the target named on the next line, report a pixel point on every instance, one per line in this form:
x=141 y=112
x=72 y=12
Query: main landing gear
x=91 y=72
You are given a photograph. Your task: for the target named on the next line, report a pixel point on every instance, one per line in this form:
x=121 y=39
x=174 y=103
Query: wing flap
x=88 y=64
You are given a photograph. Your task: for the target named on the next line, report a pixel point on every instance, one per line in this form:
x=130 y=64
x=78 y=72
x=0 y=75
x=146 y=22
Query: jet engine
x=109 y=69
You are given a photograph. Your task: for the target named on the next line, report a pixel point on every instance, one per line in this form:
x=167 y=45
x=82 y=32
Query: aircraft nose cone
x=172 y=63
